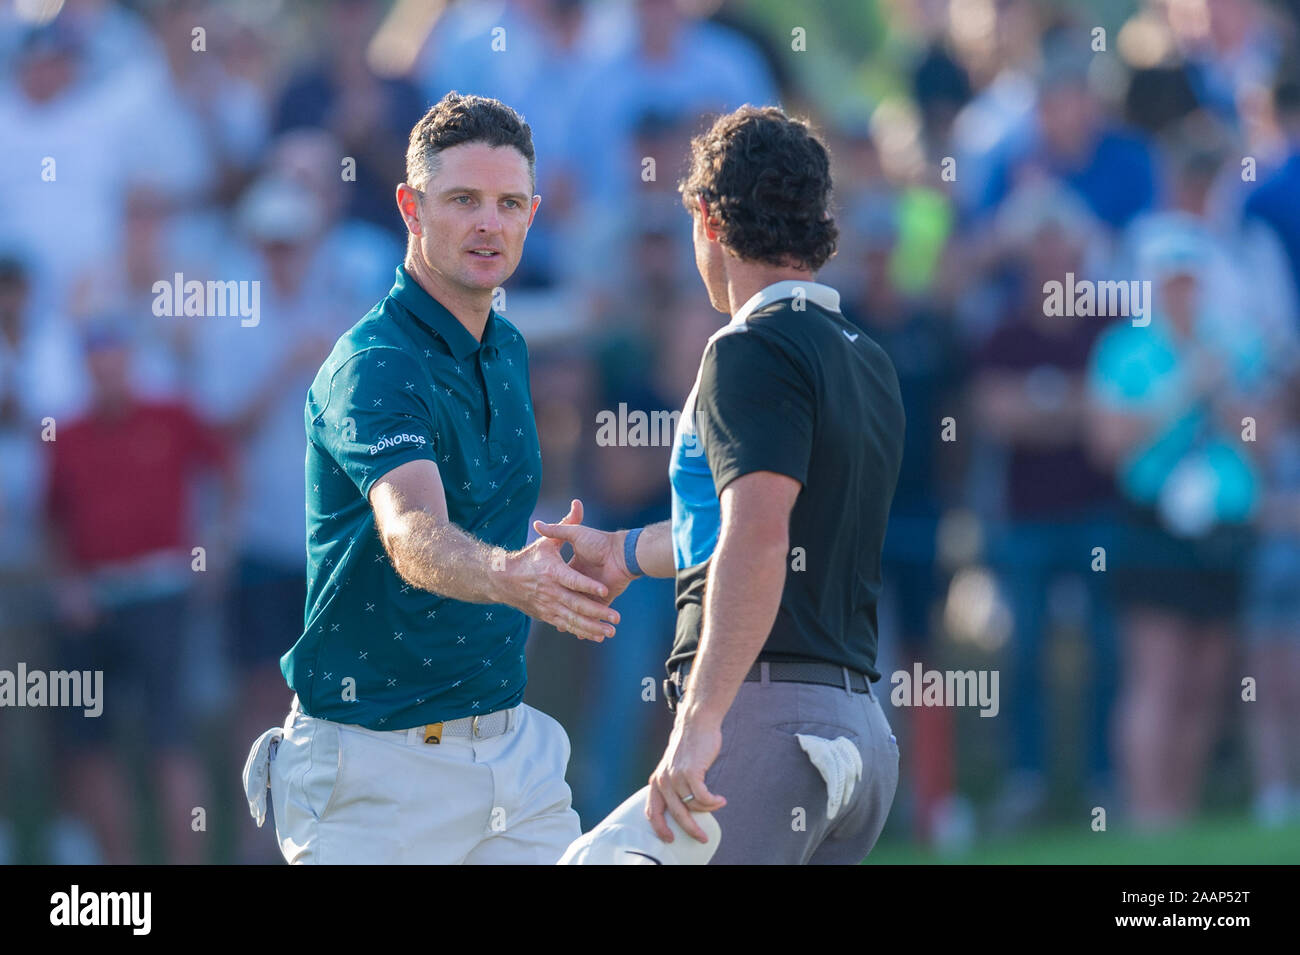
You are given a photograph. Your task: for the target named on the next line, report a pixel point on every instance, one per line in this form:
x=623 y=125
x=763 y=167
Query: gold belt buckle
x=473 y=728
x=433 y=733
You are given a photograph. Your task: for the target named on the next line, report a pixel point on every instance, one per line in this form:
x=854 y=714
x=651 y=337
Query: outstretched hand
x=596 y=554
x=543 y=586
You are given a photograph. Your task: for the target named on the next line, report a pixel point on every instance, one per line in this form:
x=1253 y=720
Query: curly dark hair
x=766 y=178
x=457 y=119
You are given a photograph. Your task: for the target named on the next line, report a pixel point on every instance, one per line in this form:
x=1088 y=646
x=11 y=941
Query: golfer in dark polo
x=783 y=469
x=408 y=741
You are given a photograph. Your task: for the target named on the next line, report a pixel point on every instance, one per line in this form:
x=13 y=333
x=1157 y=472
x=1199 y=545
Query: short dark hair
x=457 y=119
x=766 y=178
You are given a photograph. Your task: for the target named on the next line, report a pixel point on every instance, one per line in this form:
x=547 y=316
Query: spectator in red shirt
x=118 y=499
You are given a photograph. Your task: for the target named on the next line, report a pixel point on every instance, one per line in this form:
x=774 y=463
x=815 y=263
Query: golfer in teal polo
x=407 y=741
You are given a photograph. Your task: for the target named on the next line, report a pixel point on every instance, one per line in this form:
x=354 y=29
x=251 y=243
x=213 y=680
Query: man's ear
x=532 y=213
x=710 y=228
x=408 y=204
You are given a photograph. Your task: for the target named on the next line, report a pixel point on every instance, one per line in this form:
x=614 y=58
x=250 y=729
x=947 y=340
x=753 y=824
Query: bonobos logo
x=392 y=441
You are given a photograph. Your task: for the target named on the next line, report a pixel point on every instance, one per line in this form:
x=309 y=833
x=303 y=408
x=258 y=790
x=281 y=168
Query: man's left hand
x=692 y=749
x=596 y=554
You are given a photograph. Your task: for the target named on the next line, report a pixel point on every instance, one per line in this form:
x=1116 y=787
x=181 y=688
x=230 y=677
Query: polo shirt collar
x=815 y=292
x=407 y=291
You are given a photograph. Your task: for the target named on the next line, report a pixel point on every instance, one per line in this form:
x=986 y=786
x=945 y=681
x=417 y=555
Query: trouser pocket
x=321 y=780
x=306 y=769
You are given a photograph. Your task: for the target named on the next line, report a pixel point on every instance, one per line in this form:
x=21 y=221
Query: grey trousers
x=777 y=800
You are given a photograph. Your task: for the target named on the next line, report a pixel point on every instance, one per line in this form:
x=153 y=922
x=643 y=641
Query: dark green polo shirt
x=409 y=382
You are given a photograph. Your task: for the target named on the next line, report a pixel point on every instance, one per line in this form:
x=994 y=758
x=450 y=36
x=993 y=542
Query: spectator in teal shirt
x=1169 y=400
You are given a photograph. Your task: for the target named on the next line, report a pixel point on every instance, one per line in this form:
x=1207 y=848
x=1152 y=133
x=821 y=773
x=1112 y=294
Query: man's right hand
x=598 y=554
x=537 y=581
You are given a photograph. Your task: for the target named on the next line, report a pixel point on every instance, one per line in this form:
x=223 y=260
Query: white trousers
x=344 y=794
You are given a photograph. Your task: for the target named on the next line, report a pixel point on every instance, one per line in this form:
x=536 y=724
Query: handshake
x=573 y=597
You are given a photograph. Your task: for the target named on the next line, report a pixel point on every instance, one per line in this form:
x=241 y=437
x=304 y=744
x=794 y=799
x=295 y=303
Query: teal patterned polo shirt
x=410 y=382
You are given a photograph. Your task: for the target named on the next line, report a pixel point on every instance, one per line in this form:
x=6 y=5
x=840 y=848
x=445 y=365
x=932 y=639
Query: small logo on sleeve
x=396 y=440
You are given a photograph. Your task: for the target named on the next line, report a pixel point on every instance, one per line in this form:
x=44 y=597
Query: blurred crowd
x=1103 y=508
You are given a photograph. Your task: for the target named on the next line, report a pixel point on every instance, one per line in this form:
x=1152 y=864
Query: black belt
x=779 y=671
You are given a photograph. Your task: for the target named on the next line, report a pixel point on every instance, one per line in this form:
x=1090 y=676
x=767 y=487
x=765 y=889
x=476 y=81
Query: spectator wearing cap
x=119 y=504
x=1244 y=274
x=1246 y=264
x=1168 y=400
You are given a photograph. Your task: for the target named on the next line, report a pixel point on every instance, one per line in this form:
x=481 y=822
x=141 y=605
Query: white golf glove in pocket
x=257 y=772
x=840 y=764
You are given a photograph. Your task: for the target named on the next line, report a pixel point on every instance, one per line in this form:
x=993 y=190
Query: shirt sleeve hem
x=726 y=475
x=391 y=464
